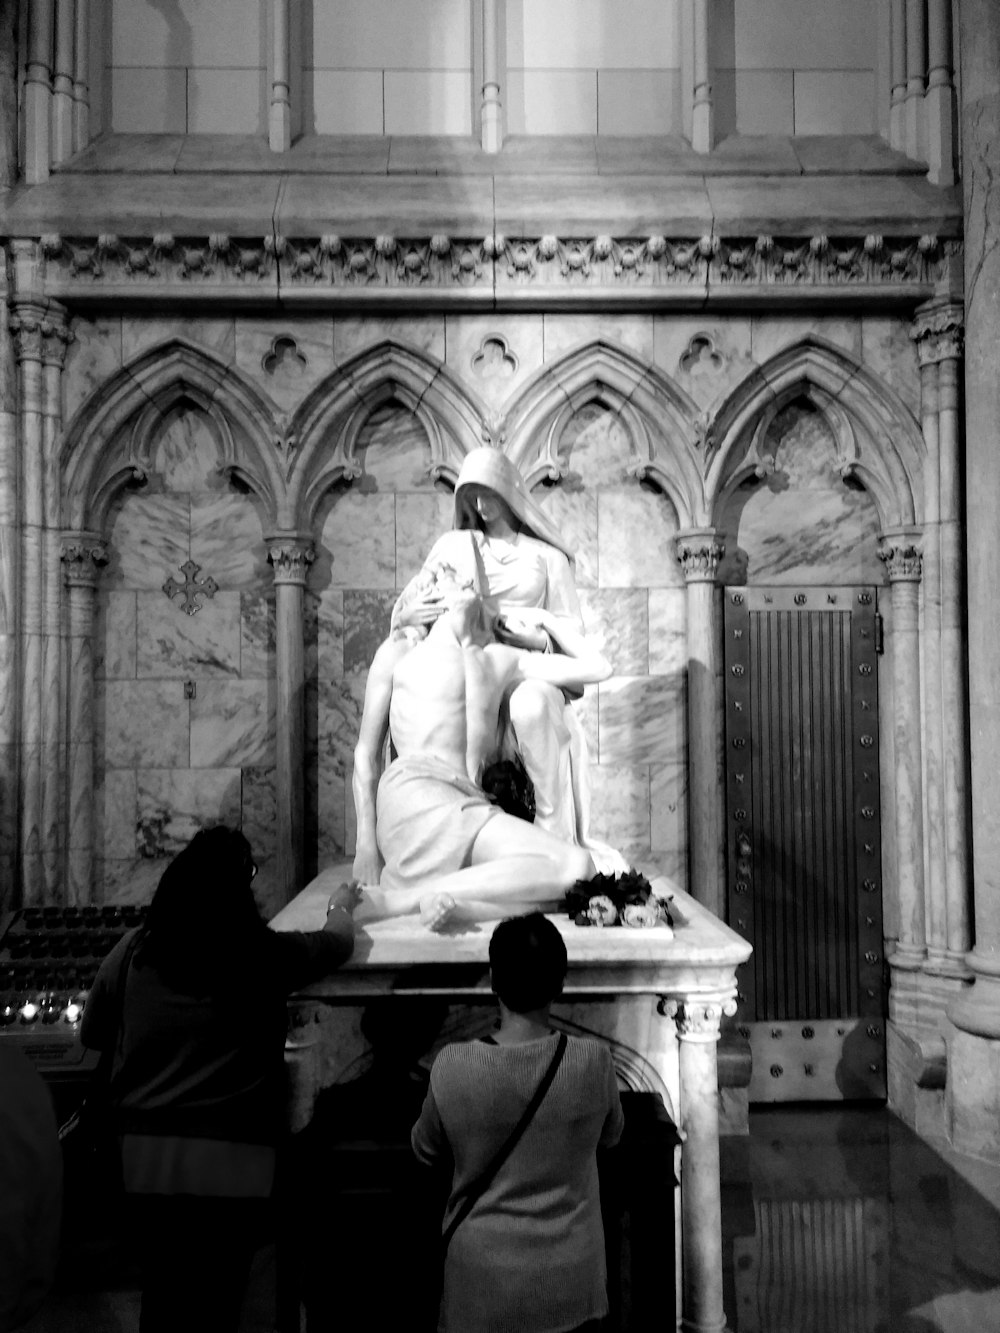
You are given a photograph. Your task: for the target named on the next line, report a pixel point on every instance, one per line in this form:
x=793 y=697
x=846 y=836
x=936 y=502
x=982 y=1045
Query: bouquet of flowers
x=617 y=900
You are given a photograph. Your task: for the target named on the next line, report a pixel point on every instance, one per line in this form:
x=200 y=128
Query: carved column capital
x=698 y=1019
x=699 y=554
x=82 y=553
x=901 y=554
x=939 y=332
x=290 y=554
x=40 y=333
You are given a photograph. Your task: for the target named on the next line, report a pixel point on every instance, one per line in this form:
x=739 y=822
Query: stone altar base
x=656 y=996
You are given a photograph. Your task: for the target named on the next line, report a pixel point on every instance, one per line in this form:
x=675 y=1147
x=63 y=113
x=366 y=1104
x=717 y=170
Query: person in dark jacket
x=193 y=1004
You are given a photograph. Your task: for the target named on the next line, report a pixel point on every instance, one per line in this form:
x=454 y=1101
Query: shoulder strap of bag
x=482 y=1182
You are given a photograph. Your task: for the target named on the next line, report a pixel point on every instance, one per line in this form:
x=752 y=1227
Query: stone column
x=8 y=95
x=698 y=1020
x=897 y=76
x=702 y=104
x=699 y=554
x=973 y=1090
x=280 y=114
x=901 y=556
x=81 y=77
x=916 y=71
x=10 y=563
x=38 y=92
x=82 y=553
x=939 y=98
x=291 y=554
x=63 y=69
x=491 y=110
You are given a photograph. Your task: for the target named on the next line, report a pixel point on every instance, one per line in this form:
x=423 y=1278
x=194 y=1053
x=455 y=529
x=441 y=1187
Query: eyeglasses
x=253 y=872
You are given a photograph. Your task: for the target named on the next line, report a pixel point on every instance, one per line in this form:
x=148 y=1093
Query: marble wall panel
x=116 y=813
x=145 y=723
x=128 y=879
x=393 y=451
x=91 y=358
x=667 y=630
x=347 y=101
x=149 y=101
x=358 y=537
x=172 y=644
x=573 y=511
x=495 y=355
x=838 y=101
x=114 y=634
x=232 y=724
x=888 y=352
x=551 y=101
x=216 y=336
x=706 y=357
x=187 y=452
x=587 y=709
x=619 y=806
x=432 y=101
x=565 y=333
x=366 y=624
x=259 y=809
x=424 y=333
x=636 y=530
x=642 y=720
x=802 y=524
x=227 y=101
x=770 y=334
x=670 y=865
x=285 y=361
x=149 y=541
x=595 y=447
x=420 y=519
x=268 y=891
x=227 y=540
x=668 y=810
x=328 y=614
x=257 y=629
x=618 y=621
x=637 y=102
x=173 y=804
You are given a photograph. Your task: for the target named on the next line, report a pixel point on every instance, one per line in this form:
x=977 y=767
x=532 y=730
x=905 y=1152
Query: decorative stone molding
x=82 y=554
x=699 y=554
x=902 y=558
x=290 y=555
x=698 y=1020
x=305 y=267
x=40 y=334
x=939 y=332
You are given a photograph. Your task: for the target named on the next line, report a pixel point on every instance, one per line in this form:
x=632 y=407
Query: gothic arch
x=108 y=444
x=326 y=427
x=877 y=438
x=657 y=415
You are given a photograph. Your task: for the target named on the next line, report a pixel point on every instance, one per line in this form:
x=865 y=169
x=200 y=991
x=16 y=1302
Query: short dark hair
x=527 y=962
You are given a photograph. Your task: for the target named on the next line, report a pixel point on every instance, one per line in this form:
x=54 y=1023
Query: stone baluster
x=63 y=69
x=901 y=556
x=81 y=77
x=897 y=75
x=699 y=554
x=973 y=1042
x=82 y=553
x=280 y=114
x=38 y=92
x=491 y=110
x=56 y=337
x=916 y=74
x=702 y=103
x=290 y=554
x=10 y=681
x=939 y=98
x=698 y=1022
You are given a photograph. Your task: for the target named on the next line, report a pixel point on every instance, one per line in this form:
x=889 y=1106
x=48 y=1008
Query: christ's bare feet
x=436 y=910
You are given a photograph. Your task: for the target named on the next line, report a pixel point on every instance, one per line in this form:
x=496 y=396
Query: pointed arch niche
x=817 y=472
x=170 y=465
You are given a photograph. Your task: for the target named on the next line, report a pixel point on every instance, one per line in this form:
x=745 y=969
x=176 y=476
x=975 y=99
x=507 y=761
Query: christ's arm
x=368 y=757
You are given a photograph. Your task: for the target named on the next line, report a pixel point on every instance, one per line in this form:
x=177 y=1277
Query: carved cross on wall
x=191 y=588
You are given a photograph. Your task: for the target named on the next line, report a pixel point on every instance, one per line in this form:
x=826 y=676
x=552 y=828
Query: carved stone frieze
x=495 y=264
x=939 y=332
x=698 y=1020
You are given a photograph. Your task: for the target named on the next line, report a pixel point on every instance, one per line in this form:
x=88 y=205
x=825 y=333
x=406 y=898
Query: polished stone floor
x=836 y=1220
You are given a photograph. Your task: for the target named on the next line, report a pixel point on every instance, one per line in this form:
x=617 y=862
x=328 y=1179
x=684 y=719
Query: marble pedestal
x=657 y=997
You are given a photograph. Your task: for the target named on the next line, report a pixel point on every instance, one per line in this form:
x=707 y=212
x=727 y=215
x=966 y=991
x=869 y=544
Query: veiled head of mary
x=488 y=469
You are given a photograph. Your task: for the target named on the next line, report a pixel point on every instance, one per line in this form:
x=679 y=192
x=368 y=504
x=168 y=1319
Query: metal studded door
x=804 y=863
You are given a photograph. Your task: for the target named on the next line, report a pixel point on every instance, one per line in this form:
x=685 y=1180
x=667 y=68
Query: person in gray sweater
x=528 y=1257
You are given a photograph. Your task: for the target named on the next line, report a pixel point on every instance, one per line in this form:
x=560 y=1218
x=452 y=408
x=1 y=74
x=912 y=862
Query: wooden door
x=804 y=855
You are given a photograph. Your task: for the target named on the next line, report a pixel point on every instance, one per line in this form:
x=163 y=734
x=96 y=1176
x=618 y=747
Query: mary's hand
x=421 y=610
x=520 y=631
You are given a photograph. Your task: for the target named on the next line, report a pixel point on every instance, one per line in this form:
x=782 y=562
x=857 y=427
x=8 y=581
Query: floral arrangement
x=617 y=900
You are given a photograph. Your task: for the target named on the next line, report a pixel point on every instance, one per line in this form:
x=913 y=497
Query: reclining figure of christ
x=429 y=840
